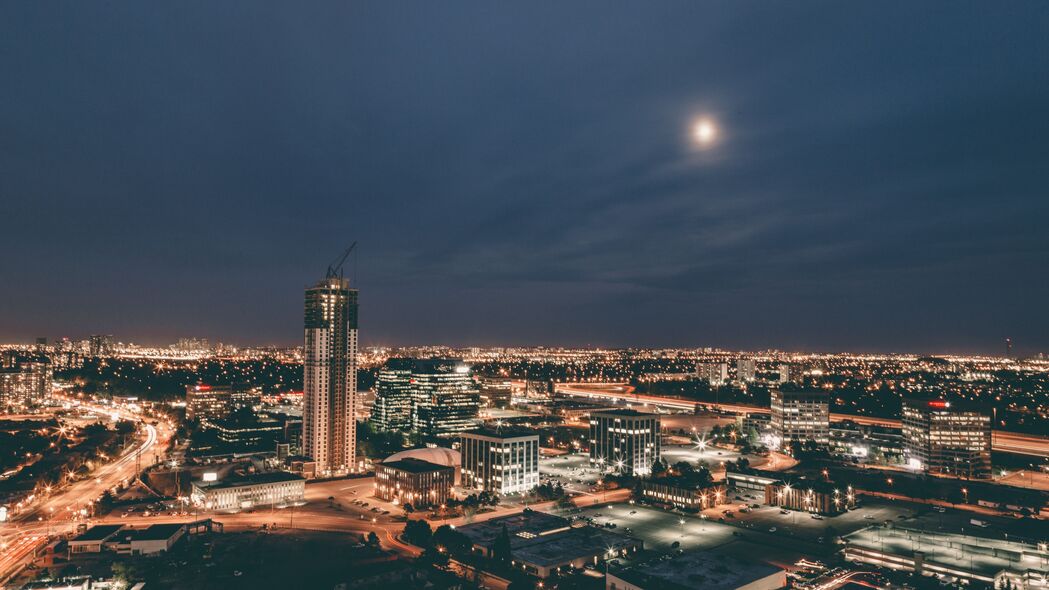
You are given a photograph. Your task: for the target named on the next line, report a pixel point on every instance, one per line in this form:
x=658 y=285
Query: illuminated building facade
x=746 y=370
x=330 y=376
x=444 y=398
x=624 y=441
x=814 y=497
x=683 y=496
x=237 y=493
x=941 y=438
x=715 y=374
x=212 y=402
x=414 y=481
x=495 y=391
x=504 y=461
x=799 y=415
x=392 y=408
x=25 y=381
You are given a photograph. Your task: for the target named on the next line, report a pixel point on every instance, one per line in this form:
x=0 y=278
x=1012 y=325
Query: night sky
x=526 y=174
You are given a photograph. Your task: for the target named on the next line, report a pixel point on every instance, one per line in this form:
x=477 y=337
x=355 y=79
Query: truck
x=980 y=523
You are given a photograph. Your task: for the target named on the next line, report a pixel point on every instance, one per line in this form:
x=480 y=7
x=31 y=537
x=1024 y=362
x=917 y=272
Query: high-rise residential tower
x=330 y=383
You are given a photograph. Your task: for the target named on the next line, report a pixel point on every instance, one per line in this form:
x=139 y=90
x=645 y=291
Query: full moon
x=705 y=132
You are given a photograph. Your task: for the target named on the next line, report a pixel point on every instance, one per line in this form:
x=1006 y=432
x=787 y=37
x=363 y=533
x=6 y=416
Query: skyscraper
x=330 y=383
x=392 y=410
x=716 y=374
x=445 y=399
x=746 y=370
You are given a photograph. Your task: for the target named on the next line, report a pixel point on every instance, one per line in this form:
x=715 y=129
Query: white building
x=746 y=370
x=800 y=415
x=716 y=374
x=504 y=461
x=329 y=419
x=256 y=490
x=700 y=571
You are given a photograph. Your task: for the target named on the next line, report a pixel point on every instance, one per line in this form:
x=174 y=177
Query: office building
x=100 y=345
x=214 y=402
x=867 y=442
x=785 y=374
x=495 y=391
x=246 y=432
x=444 y=398
x=746 y=370
x=715 y=374
x=392 y=408
x=624 y=441
x=414 y=481
x=816 y=497
x=244 y=492
x=941 y=437
x=330 y=375
x=681 y=495
x=503 y=461
x=799 y=415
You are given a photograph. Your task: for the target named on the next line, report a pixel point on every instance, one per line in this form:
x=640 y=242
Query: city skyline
x=718 y=184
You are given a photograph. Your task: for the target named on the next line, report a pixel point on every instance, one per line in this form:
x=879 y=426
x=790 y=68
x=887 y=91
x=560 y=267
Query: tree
x=418 y=533
x=659 y=468
x=454 y=542
x=373 y=539
x=501 y=547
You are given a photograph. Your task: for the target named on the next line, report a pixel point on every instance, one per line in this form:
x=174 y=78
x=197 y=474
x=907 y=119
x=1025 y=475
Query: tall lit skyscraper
x=392 y=410
x=330 y=384
x=939 y=437
x=445 y=399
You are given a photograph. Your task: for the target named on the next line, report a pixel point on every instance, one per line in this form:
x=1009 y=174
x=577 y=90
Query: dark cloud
x=524 y=174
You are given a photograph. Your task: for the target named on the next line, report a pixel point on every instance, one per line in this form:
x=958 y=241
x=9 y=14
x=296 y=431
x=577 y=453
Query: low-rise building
x=974 y=559
x=155 y=538
x=697 y=570
x=414 y=481
x=816 y=497
x=93 y=539
x=681 y=495
x=542 y=544
x=238 y=493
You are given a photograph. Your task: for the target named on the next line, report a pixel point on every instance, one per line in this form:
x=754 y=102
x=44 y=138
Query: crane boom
x=335 y=268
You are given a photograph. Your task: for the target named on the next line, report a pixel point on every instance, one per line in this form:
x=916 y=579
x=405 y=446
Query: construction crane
x=335 y=268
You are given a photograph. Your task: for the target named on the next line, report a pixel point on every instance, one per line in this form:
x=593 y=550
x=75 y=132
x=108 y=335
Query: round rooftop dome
x=438 y=455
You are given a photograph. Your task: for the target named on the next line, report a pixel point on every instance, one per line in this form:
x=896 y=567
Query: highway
x=61 y=508
x=1001 y=441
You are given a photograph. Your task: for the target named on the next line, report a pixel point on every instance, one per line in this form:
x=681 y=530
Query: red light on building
x=203 y=388
x=938 y=404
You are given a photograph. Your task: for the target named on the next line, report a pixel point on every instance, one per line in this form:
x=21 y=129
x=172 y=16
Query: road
x=27 y=531
x=1002 y=441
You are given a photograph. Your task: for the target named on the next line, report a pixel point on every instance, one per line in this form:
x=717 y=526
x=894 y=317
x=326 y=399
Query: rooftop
x=697 y=569
x=413 y=465
x=492 y=431
x=246 y=480
x=979 y=555
x=624 y=413
x=99 y=532
x=565 y=546
x=154 y=532
x=528 y=522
